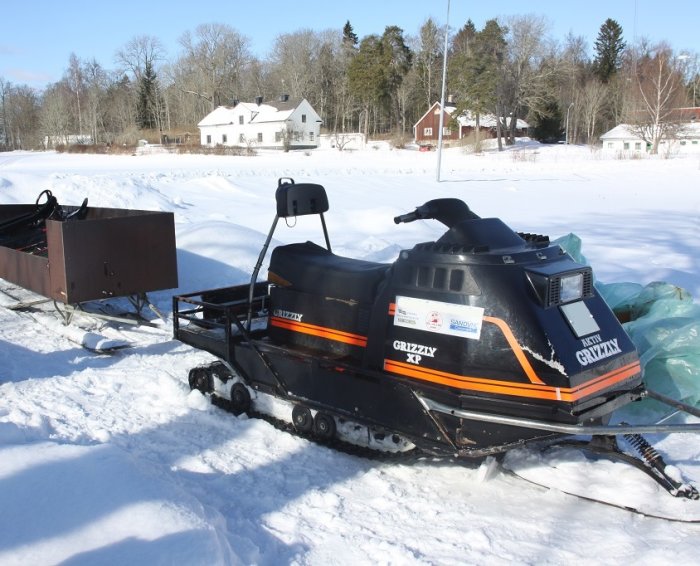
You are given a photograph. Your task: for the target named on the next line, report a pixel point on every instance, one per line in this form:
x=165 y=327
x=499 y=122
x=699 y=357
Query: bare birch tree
x=74 y=78
x=653 y=114
x=591 y=103
x=295 y=64
x=139 y=51
x=213 y=63
x=428 y=60
x=529 y=76
x=55 y=115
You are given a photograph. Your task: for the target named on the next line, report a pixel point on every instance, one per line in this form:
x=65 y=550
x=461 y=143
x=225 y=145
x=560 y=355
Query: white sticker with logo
x=442 y=318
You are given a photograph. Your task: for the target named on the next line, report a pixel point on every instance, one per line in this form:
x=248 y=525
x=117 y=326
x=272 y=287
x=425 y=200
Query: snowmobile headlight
x=554 y=287
x=571 y=288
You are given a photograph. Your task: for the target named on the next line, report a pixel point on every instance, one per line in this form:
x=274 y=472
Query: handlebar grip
x=409 y=217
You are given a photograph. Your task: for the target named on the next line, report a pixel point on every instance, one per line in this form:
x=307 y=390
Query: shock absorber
x=656 y=464
x=646 y=451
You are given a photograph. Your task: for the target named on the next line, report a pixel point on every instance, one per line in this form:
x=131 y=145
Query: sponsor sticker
x=442 y=318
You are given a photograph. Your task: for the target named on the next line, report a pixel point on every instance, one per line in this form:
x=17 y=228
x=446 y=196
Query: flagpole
x=442 y=96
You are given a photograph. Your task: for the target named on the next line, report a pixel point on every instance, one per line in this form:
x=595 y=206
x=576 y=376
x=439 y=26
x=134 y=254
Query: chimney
x=258 y=100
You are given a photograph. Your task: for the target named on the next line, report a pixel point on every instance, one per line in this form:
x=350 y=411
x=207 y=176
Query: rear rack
x=215 y=320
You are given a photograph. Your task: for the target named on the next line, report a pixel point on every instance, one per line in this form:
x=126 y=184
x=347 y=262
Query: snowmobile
x=479 y=342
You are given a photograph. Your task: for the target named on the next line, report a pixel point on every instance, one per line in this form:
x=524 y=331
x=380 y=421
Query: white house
x=283 y=124
x=622 y=139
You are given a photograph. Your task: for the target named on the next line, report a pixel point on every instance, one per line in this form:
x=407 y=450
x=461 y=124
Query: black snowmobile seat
x=310 y=268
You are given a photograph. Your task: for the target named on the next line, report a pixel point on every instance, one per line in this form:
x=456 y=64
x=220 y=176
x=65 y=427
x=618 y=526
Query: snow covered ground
x=112 y=460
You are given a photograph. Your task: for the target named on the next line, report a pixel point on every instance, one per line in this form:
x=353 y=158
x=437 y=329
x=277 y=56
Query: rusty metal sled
x=98 y=254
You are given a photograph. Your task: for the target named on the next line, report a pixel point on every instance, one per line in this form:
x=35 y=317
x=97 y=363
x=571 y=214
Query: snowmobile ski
x=606 y=480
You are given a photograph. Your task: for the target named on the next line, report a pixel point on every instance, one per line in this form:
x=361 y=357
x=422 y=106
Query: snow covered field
x=112 y=460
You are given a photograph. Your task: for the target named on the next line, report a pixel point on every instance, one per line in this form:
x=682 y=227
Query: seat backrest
x=300 y=199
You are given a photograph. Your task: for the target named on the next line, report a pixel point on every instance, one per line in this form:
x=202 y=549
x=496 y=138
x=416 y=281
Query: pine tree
x=396 y=59
x=366 y=76
x=608 y=47
x=462 y=41
x=146 y=110
x=477 y=73
x=349 y=36
x=547 y=127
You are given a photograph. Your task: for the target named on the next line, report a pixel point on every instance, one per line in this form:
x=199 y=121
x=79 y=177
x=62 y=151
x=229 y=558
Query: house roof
x=275 y=111
x=626 y=132
x=218 y=116
x=467 y=119
x=448 y=109
x=619 y=132
x=487 y=121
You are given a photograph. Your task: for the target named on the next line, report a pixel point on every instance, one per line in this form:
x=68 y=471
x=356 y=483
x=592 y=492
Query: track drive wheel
x=324 y=426
x=302 y=419
x=240 y=398
x=200 y=379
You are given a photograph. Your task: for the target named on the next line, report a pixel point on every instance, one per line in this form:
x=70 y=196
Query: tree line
x=380 y=84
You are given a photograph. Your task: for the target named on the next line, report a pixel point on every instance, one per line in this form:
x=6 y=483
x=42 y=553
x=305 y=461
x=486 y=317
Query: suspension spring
x=646 y=450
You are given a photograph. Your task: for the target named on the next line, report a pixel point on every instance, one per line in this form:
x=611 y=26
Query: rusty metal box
x=111 y=252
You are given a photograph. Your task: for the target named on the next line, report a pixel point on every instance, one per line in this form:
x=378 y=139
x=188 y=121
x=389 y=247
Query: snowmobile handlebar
x=449 y=211
x=409 y=217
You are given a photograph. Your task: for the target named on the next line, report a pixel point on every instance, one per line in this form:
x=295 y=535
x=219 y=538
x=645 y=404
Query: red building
x=426 y=130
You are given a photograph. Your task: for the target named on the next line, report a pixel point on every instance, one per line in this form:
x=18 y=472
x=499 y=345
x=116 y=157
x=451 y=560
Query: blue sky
x=38 y=36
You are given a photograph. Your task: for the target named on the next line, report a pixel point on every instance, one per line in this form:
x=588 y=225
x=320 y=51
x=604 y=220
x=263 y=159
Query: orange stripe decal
x=512 y=342
x=532 y=391
x=319 y=331
x=517 y=350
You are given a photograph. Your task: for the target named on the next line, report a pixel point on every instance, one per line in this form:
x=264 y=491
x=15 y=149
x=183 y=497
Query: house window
x=208 y=140
x=682 y=142
x=611 y=145
x=278 y=136
x=445 y=131
x=638 y=145
x=427 y=131
x=695 y=142
x=259 y=137
x=224 y=138
x=626 y=145
x=311 y=136
x=303 y=118
x=241 y=138
x=240 y=119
